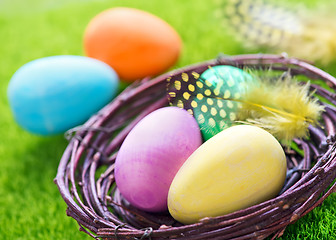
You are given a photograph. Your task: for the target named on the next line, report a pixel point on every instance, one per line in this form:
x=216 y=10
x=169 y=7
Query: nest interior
x=85 y=176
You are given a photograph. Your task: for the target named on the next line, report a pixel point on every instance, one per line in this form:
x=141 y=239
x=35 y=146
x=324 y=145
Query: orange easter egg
x=135 y=43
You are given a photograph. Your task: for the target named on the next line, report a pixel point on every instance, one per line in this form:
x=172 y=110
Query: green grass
x=30 y=204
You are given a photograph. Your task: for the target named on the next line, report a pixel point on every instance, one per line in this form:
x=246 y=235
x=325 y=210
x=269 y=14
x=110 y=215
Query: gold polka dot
x=207 y=92
x=193 y=104
x=213 y=111
x=172 y=94
x=220 y=84
x=180 y=104
x=220 y=103
x=201 y=118
x=212 y=122
x=210 y=101
x=236 y=20
x=204 y=108
x=232 y=116
x=230 y=104
x=227 y=93
x=230 y=82
x=237 y=95
x=190 y=111
x=208 y=83
x=196 y=75
x=243 y=9
x=199 y=84
x=186 y=95
x=222 y=113
x=222 y=124
x=230 y=9
x=177 y=85
x=244 y=28
x=199 y=96
x=185 y=77
x=191 y=87
x=218 y=88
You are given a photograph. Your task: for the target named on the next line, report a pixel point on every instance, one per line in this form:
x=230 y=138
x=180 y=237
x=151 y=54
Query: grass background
x=30 y=204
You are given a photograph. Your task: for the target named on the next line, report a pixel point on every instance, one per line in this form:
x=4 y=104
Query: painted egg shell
x=225 y=82
x=135 y=43
x=53 y=94
x=239 y=167
x=151 y=155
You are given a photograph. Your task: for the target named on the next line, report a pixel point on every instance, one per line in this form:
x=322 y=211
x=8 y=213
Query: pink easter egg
x=151 y=155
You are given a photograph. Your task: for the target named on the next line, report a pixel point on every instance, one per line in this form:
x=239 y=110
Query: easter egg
x=53 y=94
x=151 y=155
x=135 y=43
x=241 y=166
x=225 y=82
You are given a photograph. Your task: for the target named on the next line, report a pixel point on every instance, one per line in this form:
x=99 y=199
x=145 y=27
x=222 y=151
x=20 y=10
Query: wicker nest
x=85 y=176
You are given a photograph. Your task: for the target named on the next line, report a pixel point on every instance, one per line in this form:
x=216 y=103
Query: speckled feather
x=301 y=32
x=208 y=96
x=282 y=106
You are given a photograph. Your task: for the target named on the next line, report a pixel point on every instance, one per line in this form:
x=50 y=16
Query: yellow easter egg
x=237 y=168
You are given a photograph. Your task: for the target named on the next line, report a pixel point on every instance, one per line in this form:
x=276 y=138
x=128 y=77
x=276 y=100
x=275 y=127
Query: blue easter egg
x=53 y=94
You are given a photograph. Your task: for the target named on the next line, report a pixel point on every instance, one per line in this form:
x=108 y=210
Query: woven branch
x=96 y=204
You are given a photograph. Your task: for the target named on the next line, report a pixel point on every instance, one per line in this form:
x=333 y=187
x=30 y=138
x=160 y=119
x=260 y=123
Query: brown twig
x=96 y=204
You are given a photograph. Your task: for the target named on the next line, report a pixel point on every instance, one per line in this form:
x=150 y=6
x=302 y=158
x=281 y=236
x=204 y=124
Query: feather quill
x=282 y=106
x=297 y=30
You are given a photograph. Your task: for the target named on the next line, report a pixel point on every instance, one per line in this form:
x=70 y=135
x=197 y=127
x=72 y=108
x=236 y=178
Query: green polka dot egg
x=212 y=97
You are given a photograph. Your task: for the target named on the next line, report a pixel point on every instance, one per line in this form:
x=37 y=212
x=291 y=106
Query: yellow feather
x=283 y=107
x=226 y=96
